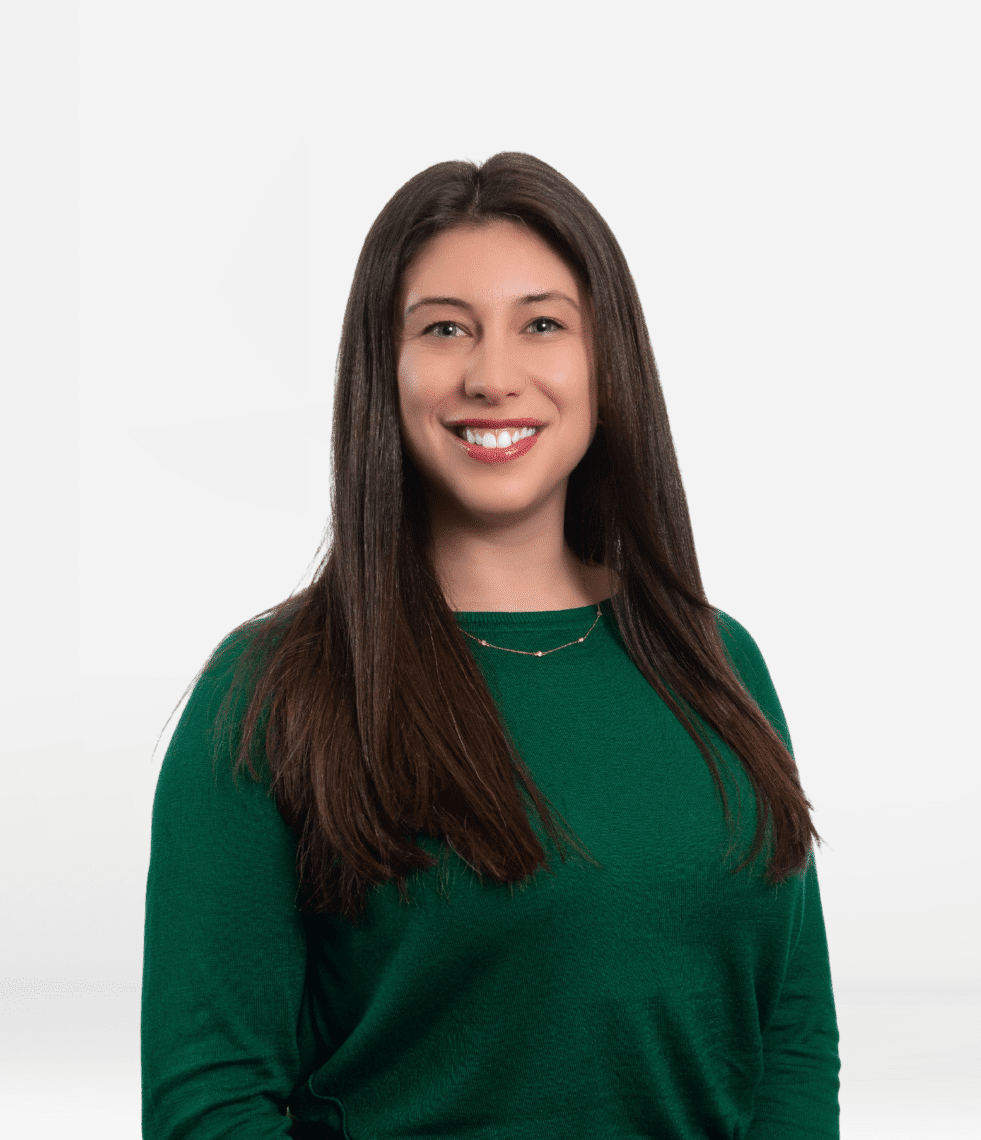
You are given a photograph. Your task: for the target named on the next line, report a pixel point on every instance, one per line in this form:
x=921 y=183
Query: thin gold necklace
x=541 y=652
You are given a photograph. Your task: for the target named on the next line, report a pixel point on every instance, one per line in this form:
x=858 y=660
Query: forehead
x=499 y=259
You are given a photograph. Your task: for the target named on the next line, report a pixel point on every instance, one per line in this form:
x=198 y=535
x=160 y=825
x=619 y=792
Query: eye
x=428 y=330
x=440 y=325
x=547 y=321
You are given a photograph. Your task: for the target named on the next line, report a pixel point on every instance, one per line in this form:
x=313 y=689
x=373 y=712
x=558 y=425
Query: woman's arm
x=222 y=1033
x=798 y=1093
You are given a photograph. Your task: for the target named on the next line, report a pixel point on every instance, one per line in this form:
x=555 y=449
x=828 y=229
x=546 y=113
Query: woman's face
x=472 y=345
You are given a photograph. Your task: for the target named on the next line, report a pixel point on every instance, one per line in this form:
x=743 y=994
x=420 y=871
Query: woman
x=501 y=610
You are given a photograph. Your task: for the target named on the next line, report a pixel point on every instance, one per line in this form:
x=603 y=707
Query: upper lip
x=496 y=423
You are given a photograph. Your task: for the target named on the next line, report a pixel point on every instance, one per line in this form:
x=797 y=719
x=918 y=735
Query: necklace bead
x=540 y=652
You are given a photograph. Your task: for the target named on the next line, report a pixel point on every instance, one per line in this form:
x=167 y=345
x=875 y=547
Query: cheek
x=422 y=382
x=411 y=387
x=412 y=371
x=417 y=401
x=572 y=368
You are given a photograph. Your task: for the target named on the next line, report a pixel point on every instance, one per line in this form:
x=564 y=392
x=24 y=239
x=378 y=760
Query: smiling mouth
x=484 y=437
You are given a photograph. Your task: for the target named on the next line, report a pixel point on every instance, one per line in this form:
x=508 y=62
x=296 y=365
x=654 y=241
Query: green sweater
x=655 y=996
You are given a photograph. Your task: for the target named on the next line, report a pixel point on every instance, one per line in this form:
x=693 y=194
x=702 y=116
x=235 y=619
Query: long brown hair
x=358 y=683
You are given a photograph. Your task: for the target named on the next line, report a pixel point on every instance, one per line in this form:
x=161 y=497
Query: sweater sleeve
x=798 y=1093
x=224 y=1040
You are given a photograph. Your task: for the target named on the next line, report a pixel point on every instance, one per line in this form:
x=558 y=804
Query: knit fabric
x=657 y=995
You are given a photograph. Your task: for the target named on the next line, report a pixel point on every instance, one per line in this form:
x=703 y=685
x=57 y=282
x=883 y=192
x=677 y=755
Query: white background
x=185 y=190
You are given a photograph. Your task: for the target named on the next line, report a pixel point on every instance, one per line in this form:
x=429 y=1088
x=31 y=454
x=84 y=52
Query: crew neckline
x=530 y=618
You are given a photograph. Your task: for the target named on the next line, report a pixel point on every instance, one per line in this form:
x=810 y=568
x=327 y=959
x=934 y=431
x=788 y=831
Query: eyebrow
x=527 y=299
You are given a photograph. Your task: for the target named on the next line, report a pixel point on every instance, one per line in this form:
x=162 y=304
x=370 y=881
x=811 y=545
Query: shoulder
x=254 y=635
x=739 y=643
x=752 y=669
x=228 y=666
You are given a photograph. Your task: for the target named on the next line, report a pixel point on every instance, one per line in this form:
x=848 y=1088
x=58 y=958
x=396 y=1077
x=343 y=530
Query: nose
x=493 y=371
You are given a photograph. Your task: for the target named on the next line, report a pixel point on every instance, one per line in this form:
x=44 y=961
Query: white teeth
x=503 y=439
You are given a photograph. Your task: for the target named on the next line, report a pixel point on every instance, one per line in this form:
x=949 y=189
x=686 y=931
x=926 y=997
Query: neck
x=480 y=576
